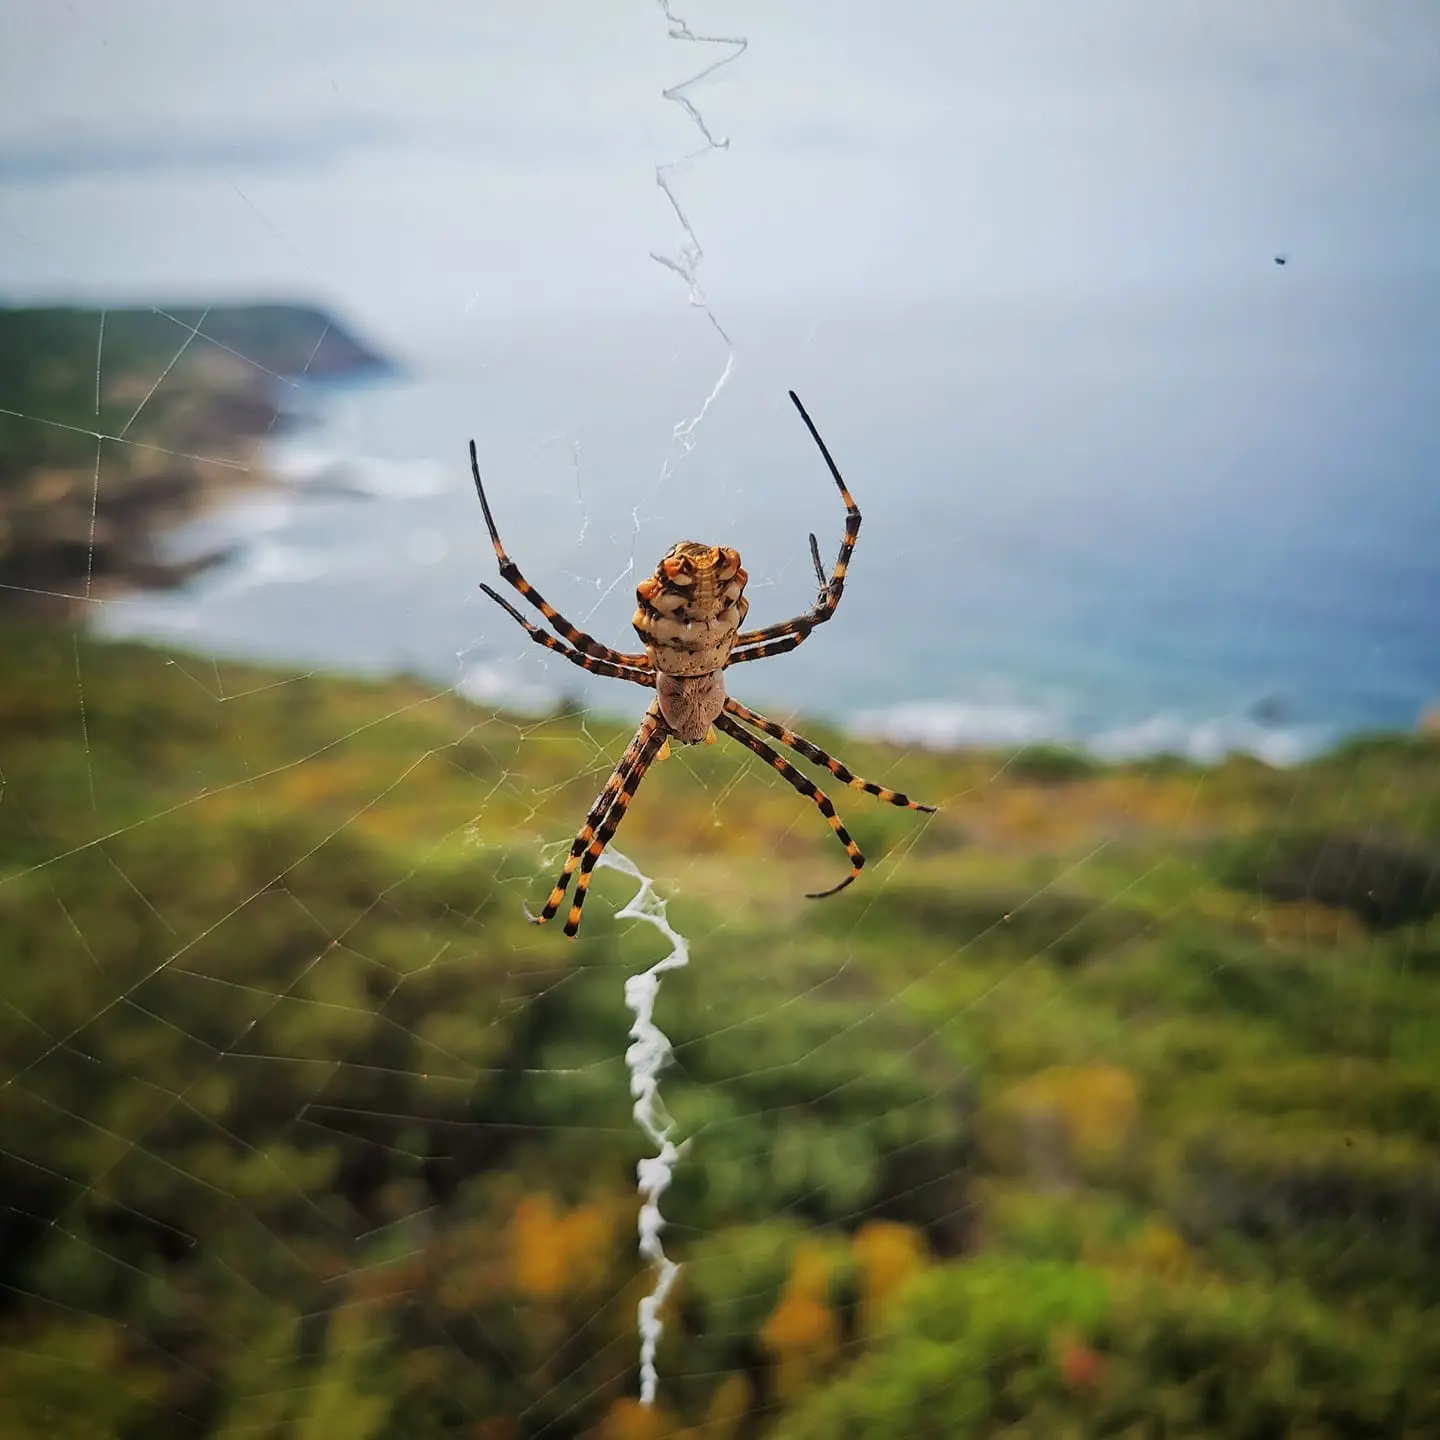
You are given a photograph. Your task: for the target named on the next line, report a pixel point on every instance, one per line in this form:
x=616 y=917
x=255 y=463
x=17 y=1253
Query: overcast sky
x=415 y=162
x=1018 y=256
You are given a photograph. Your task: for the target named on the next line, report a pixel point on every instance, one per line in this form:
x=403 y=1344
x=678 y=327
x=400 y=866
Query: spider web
x=1119 y=1069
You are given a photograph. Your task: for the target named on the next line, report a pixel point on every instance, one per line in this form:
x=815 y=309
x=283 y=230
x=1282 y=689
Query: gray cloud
x=422 y=164
x=55 y=156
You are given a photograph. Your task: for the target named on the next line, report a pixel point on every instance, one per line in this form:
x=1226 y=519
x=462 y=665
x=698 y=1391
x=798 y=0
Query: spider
x=689 y=618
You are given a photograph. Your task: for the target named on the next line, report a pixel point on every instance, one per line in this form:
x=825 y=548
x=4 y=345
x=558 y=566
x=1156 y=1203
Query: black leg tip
x=834 y=889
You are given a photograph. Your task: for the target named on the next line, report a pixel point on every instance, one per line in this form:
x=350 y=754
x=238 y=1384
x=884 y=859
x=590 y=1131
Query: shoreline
x=112 y=437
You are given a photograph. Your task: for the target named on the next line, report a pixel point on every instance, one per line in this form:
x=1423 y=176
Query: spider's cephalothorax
x=688 y=615
x=688 y=619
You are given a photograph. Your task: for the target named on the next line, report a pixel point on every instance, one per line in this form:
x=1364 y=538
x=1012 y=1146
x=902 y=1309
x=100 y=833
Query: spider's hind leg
x=813 y=753
x=806 y=787
x=611 y=824
x=604 y=820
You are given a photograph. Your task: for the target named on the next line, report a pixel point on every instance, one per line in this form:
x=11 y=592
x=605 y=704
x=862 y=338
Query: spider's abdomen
x=690 y=704
x=691 y=609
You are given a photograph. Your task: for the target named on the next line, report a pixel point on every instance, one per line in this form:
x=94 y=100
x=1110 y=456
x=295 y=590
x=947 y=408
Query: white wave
x=1210 y=740
x=482 y=683
x=269 y=563
x=395 y=479
x=328 y=471
x=242 y=519
x=301 y=464
x=167 y=614
x=947 y=724
x=941 y=724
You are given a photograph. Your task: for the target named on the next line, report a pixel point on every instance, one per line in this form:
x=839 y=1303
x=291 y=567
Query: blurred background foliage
x=1107 y=1104
x=1063 y=1127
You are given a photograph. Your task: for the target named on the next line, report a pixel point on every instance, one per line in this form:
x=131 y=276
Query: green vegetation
x=1107 y=1103
x=1011 y=1347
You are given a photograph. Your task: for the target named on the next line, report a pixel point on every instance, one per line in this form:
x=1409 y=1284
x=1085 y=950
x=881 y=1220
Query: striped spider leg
x=804 y=785
x=817 y=756
x=510 y=573
x=786 y=635
x=609 y=808
x=604 y=818
x=585 y=662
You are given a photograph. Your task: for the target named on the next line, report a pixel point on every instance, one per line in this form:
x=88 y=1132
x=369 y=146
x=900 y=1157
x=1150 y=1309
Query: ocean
x=1189 y=524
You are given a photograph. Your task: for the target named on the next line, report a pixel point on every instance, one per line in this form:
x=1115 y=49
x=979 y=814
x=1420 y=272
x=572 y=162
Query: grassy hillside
x=1106 y=1103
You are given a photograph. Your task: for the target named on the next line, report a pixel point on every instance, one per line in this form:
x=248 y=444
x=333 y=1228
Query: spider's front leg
x=510 y=573
x=585 y=662
x=787 y=634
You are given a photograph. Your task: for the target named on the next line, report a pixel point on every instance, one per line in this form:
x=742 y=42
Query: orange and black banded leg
x=510 y=573
x=621 y=782
x=786 y=642
x=585 y=662
x=806 y=787
x=817 y=756
x=792 y=632
x=798 y=630
x=836 y=586
x=606 y=833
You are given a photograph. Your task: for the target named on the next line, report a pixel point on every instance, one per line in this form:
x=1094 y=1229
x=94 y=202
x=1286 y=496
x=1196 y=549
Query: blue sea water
x=1189 y=524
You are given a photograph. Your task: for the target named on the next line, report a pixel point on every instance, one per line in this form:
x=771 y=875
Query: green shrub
x=1384 y=883
x=1032 y=1349
x=1051 y=765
